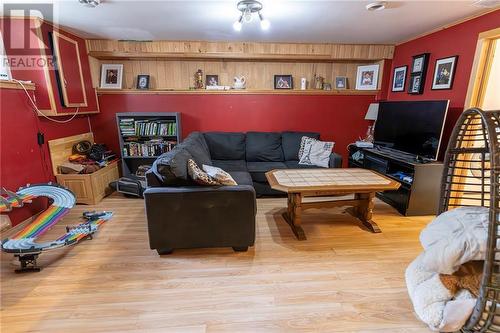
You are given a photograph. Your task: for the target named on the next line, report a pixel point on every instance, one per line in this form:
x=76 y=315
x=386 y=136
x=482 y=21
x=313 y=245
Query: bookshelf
x=144 y=136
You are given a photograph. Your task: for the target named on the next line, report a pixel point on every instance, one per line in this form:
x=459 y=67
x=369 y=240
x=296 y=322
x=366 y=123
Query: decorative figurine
x=318 y=81
x=239 y=82
x=198 y=79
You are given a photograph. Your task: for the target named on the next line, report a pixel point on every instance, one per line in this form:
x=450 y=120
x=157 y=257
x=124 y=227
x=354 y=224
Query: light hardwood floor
x=342 y=279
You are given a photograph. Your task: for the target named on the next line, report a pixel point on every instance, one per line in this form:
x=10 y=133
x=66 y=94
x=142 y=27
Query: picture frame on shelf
x=444 y=73
x=340 y=82
x=283 y=82
x=419 y=63
x=5 y=73
x=143 y=82
x=399 y=78
x=111 y=76
x=211 y=80
x=416 y=85
x=367 y=77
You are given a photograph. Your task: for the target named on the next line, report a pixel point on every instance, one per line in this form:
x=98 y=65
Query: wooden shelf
x=237 y=92
x=15 y=85
x=115 y=55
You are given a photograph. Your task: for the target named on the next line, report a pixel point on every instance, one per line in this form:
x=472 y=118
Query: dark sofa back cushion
x=171 y=167
x=291 y=143
x=226 y=145
x=196 y=145
x=264 y=147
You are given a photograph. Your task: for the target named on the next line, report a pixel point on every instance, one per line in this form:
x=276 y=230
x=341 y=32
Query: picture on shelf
x=444 y=73
x=111 y=76
x=212 y=80
x=143 y=81
x=367 y=77
x=399 y=78
x=283 y=82
x=341 y=82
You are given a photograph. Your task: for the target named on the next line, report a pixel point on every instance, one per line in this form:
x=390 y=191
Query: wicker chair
x=471 y=177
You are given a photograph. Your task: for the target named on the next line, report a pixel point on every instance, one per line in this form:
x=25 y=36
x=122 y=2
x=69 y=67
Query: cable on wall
x=40 y=112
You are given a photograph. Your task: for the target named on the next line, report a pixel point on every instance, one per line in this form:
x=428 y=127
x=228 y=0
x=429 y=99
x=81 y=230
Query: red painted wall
x=337 y=118
x=22 y=161
x=458 y=40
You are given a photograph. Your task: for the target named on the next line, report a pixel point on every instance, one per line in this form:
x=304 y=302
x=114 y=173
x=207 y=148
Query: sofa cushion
x=231 y=165
x=290 y=142
x=226 y=145
x=171 y=167
x=195 y=144
x=241 y=177
x=199 y=176
x=264 y=147
x=220 y=176
x=296 y=165
x=258 y=169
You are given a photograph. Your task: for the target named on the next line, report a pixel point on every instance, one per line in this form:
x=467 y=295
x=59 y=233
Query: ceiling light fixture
x=247 y=9
x=90 y=3
x=374 y=6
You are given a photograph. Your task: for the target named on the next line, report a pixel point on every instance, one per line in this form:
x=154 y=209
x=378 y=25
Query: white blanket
x=450 y=240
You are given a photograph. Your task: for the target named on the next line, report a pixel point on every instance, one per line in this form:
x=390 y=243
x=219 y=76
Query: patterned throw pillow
x=219 y=175
x=303 y=141
x=198 y=175
x=315 y=152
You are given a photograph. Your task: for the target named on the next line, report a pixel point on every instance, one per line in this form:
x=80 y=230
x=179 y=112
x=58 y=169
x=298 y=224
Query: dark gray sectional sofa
x=182 y=214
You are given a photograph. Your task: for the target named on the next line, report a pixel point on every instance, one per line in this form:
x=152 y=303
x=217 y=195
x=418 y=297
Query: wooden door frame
x=481 y=67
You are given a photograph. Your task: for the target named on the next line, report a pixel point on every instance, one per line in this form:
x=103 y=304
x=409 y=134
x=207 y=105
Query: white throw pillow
x=219 y=175
x=316 y=152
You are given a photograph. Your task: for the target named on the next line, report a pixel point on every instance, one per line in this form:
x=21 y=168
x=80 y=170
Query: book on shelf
x=147 y=127
x=151 y=148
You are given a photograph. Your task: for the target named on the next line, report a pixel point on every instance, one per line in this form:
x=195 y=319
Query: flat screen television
x=412 y=127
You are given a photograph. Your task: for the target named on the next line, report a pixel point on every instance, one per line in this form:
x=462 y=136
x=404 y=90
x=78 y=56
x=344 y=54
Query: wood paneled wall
x=176 y=74
x=246 y=50
x=172 y=64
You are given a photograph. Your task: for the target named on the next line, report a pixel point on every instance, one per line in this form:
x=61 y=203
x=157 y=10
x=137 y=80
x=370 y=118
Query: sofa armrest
x=335 y=161
x=200 y=216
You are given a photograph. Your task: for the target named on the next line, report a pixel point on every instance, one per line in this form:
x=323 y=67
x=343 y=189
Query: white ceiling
x=291 y=21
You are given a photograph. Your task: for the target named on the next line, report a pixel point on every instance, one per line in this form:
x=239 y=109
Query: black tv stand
x=420 y=178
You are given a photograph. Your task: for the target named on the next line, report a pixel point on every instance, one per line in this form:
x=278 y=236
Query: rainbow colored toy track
x=23 y=244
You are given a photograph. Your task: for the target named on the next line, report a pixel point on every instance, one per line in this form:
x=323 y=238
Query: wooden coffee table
x=300 y=183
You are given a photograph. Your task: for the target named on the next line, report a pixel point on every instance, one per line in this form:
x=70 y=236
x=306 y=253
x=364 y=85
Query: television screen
x=412 y=127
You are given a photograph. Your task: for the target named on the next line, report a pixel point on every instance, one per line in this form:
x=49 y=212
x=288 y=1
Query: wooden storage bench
x=88 y=188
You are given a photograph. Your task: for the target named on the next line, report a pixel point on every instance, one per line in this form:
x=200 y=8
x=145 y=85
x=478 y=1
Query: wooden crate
x=88 y=188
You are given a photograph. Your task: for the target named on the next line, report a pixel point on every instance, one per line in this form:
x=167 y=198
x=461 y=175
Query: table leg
x=293 y=215
x=364 y=211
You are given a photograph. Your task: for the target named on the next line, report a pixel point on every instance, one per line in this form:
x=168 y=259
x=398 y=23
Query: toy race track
x=23 y=244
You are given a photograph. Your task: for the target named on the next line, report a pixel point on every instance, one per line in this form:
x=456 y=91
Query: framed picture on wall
x=399 y=78
x=367 y=77
x=111 y=76
x=416 y=84
x=419 y=63
x=444 y=72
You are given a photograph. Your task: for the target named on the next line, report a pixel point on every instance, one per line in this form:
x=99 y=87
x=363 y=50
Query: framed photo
x=367 y=77
x=399 y=78
x=444 y=73
x=143 y=82
x=211 y=80
x=283 y=82
x=340 y=82
x=419 y=63
x=111 y=76
x=5 y=73
x=416 y=84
